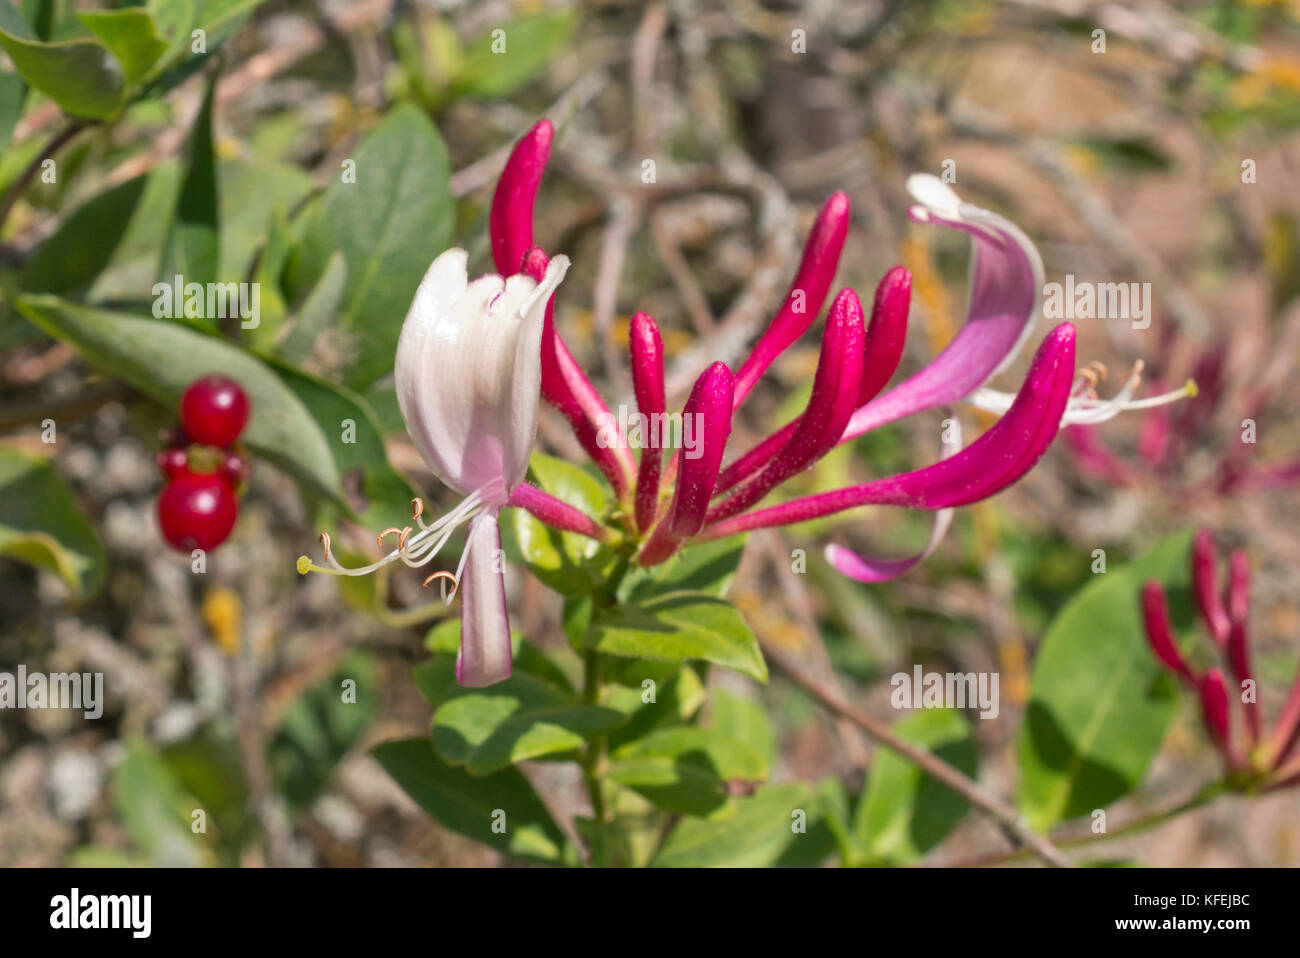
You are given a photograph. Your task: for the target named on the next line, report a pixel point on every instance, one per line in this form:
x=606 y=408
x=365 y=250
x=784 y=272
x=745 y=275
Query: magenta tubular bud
x=887 y=332
x=566 y=387
x=882 y=350
x=555 y=512
x=707 y=415
x=1206 y=587
x=1239 y=587
x=821 y=257
x=647 y=348
x=1160 y=632
x=1239 y=660
x=1214 y=707
x=987 y=466
x=510 y=224
x=1287 y=730
x=834 y=398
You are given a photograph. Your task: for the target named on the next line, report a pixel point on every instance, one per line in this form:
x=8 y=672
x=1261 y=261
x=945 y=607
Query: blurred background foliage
x=224 y=688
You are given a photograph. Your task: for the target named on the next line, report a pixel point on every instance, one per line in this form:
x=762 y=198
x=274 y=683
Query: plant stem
x=931 y=764
x=19 y=185
x=1206 y=795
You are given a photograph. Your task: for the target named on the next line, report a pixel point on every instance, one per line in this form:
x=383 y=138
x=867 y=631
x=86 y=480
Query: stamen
x=444 y=577
x=413 y=550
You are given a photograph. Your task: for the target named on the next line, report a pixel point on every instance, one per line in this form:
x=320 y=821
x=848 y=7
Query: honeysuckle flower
x=1267 y=760
x=468 y=377
x=699 y=500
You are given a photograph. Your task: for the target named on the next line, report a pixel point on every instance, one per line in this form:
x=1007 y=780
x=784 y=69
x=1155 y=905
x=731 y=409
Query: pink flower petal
x=1006 y=280
x=485 y=656
x=994 y=461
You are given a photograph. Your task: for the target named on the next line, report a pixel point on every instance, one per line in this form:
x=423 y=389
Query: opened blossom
x=474 y=357
x=467 y=377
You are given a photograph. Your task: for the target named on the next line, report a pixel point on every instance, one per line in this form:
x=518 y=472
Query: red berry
x=197 y=511
x=234 y=469
x=172 y=462
x=214 y=410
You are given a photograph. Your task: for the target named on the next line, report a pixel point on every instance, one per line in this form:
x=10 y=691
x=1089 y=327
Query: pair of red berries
x=205 y=470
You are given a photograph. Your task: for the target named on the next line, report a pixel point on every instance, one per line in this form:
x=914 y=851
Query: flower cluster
x=1226 y=617
x=474 y=356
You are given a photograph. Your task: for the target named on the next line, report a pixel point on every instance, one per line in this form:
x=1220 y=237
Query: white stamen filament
x=416 y=550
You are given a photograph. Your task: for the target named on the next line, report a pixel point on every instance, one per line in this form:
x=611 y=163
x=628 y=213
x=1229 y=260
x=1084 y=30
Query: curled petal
x=1206 y=587
x=834 y=397
x=994 y=461
x=466 y=375
x=869 y=569
x=1160 y=631
x=510 y=223
x=1006 y=280
x=647 y=349
x=821 y=257
x=566 y=387
x=708 y=415
x=485 y=656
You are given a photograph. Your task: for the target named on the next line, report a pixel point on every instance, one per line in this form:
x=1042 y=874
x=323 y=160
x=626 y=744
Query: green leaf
x=743 y=719
x=1099 y=703
x=501 y=61
x=751 y=832
x=389 y=225
x=154 y=808
x=571 y=564
x=470 y=805
x=827 y=829
x=130 y=35
x=719 y=754
x=316 y=312
x=518 y=719
x=321 y=726
x=193 y=248
x=81 y=76
x=684 y=769
x=676 y=698
x=162 y=357
x=708 y=567
x=356 y=445
x=678 y=627
x=40 y=523
x=13 y=94
x=904 y=813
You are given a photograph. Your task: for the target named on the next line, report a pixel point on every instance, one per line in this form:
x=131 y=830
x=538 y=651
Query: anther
x=391 y=530
x=325 y=541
